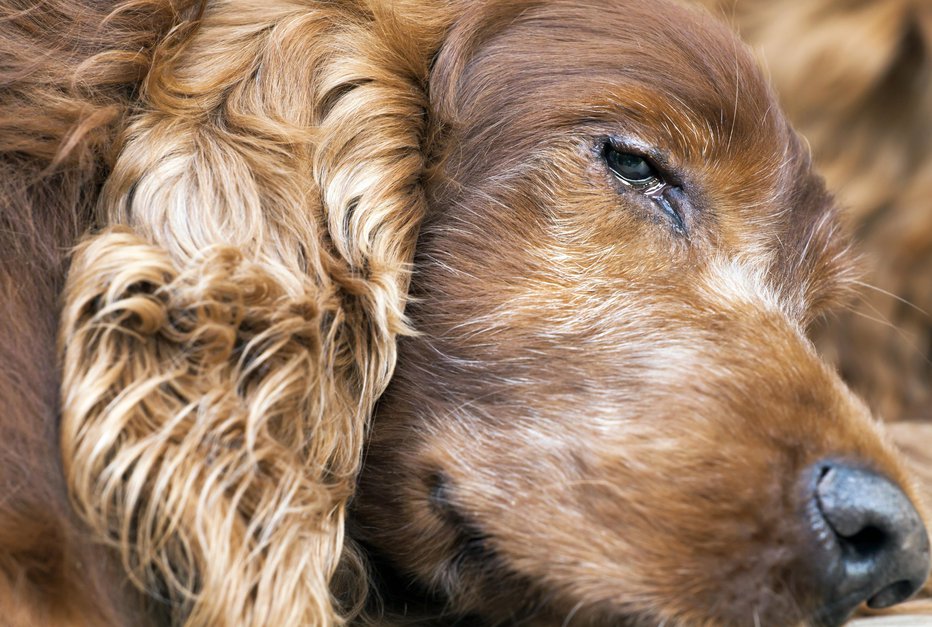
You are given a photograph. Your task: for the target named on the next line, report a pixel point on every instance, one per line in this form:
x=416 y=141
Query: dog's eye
x=632 y=169
x=638 y=173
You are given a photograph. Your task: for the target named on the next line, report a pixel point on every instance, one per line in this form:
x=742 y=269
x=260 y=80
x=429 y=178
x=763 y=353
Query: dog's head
x=612 y=410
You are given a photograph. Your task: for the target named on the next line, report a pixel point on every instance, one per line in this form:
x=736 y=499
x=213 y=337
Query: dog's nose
x=875 y=538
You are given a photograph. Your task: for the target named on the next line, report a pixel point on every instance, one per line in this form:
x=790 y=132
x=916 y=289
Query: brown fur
x=62 y=93
x=251 y=179
x=556 y=390
x=222 y=354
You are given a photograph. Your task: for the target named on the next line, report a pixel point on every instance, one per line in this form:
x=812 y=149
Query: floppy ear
x=225 y=337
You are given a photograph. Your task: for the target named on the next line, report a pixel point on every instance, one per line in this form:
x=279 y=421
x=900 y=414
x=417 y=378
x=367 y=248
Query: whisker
x=894 y=296
x=899 y=332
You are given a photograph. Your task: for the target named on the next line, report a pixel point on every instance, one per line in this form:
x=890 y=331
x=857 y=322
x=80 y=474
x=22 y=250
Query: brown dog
x=608 y=411
x=612 y=419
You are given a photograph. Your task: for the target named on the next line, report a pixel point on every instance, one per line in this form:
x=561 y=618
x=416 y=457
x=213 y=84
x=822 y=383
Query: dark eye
x=638 y=173
x=631 y=168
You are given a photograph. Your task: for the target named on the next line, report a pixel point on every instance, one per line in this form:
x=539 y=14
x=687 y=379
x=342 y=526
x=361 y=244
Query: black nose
x=878 y=549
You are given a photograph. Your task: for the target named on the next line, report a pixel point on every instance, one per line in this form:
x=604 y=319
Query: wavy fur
x=223 y=348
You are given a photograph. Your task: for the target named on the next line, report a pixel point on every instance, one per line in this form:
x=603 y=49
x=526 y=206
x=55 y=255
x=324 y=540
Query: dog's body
x=607 y=204
x=55 y=135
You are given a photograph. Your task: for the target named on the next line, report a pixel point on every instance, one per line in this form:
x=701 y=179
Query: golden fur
x=221 y=355
x=247 y=184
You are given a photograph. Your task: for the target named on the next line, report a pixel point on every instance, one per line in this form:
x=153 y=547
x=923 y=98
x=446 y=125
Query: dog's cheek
x=684 y=459
x=596 y=519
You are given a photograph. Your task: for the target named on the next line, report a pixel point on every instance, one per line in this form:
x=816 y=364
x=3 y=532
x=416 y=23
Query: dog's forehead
x=669 y=75
x=518 y=82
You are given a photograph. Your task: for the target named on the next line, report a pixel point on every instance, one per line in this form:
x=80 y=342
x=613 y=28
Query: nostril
x=866 y=511
x=867 y=542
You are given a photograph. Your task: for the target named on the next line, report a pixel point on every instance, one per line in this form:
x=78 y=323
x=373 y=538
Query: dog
x=506 y=300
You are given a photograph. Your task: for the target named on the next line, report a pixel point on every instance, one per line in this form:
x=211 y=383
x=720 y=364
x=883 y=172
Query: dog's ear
x=225 y=339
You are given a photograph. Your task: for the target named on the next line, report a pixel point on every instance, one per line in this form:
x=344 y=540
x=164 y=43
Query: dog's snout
x=878 y=548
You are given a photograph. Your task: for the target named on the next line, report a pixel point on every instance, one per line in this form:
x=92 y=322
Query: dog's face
x=612 y=411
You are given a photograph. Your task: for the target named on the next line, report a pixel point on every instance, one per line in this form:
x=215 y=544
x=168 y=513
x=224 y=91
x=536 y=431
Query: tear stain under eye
x=660 y=197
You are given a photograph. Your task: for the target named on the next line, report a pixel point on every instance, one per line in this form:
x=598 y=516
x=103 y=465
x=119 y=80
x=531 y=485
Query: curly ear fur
x=190 y=435
x=224 y=341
